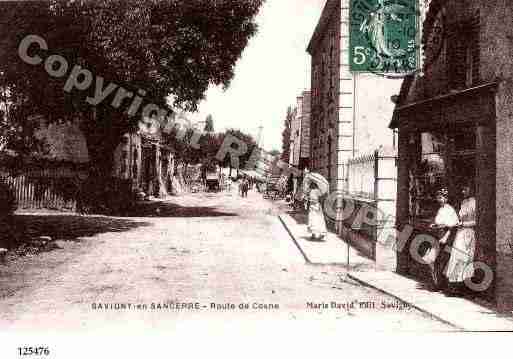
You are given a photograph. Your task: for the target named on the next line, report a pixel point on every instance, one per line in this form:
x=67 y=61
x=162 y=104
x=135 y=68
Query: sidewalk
x=457 y=312
x=331 y=250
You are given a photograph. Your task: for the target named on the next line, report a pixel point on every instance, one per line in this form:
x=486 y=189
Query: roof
x=327 y=12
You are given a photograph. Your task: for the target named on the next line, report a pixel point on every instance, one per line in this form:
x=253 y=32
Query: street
x=205 y=256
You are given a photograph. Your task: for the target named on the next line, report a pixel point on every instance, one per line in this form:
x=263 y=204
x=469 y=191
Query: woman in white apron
x=316 y=221
x=461 y=263
x=446 y=220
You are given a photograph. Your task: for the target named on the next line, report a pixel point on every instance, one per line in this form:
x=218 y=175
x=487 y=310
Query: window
x=463 y=56
x=440 y=160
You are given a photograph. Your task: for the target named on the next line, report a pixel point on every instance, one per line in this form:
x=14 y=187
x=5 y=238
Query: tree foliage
x=171 y=49
x=245 y=138
x=285 y=136
x=192 y=147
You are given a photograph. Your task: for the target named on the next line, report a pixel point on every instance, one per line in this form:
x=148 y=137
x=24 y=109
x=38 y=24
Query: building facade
x=455 y=124
x=145 y=161
x=349 y=112
x=295 y=138
x=300 y=132
x=304 y=114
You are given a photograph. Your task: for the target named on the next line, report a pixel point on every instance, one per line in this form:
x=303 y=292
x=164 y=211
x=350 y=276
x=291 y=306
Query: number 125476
x=33 y=351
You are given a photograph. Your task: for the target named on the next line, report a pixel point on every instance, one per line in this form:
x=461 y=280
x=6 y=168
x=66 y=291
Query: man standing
x=245 y=187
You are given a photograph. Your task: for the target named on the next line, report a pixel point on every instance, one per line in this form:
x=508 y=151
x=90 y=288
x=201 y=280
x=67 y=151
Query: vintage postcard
x=168 y=166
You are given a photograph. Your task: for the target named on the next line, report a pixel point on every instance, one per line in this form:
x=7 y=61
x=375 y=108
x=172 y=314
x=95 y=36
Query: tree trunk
x=102 y=138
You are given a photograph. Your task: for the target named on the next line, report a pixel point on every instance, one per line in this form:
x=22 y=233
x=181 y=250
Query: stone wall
x=325 y=51
x=497 y=64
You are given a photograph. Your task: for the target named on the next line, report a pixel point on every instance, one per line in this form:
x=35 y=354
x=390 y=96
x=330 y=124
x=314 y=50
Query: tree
x=275 y=153
x=209 y=124
x=247 y=139
x=285 y=135
x=169 y=48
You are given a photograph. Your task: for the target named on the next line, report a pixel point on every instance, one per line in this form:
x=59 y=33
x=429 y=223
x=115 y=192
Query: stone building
x=64 y=141
x=349 y=112
x=145 y=161
x=295 y=138
x=455 y=125
x=300 y=132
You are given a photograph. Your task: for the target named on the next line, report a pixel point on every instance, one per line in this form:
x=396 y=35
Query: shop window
x=440 y=160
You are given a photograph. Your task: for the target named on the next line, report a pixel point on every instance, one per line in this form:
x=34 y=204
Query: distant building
x=267 y=165
x=145 y=161
x=300 y=132
x=295 y=139
x=64 y=141
x=304 y=113
x=300 y=137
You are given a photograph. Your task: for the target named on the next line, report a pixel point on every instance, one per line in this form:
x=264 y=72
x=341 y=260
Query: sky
x=273 y=71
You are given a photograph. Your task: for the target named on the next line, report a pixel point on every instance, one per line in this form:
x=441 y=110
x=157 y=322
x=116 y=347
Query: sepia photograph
x=263 y=167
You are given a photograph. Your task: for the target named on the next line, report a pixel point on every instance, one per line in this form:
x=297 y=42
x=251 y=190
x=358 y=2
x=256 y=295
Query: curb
x=434 y=316
x=362 y=282
x=294 y=239
x=421 y=305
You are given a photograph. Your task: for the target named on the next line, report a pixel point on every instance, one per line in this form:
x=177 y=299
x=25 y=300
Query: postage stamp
x=384 y=37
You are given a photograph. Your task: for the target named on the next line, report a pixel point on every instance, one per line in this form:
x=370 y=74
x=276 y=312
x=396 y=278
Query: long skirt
x=316 y=221
x=461 y=263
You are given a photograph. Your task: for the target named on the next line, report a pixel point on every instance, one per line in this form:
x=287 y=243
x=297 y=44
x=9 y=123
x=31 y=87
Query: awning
x=253 y=174
x=438 y=102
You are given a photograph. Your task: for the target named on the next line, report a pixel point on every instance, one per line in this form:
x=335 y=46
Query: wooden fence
x=51 y=188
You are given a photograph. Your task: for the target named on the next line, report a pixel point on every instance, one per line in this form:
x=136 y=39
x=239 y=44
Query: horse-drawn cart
x=212 y=182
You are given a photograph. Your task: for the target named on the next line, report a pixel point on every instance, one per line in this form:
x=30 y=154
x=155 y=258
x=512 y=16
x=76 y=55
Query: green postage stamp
x=384 y=36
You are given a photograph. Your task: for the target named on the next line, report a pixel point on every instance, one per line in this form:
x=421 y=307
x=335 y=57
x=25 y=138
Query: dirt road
x=212 y=258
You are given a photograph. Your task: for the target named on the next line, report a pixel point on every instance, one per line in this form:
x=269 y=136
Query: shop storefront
x=447 y=142
x=455 y=129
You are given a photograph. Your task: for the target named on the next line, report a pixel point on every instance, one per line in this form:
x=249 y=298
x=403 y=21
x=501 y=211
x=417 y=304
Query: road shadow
x=425 y=284
x=315 y=240
x=300 y=216
x=22 y=237
x=25 y=228
x=169 y=209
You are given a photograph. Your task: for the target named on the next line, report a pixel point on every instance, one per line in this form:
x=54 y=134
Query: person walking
x=461 y=262
x=316 y=221
x=245 y=187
